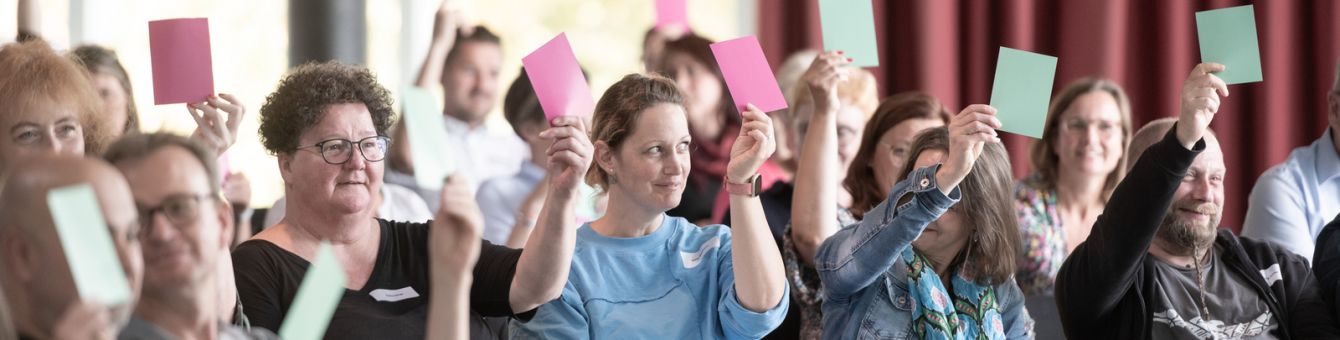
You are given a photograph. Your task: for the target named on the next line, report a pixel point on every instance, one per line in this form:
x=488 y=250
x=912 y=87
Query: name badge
x=389 y=295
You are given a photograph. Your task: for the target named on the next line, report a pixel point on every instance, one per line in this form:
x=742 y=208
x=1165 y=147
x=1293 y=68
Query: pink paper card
x=748 y=75
x=672 y=16
x=557 y=80
x=183 y=71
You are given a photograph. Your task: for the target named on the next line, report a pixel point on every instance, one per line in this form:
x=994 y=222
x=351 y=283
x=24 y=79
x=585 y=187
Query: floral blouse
x=1044 y=245
x=804 y=280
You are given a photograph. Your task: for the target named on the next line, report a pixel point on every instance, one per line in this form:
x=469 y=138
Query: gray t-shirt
x=1236 y=310
x=139 y=329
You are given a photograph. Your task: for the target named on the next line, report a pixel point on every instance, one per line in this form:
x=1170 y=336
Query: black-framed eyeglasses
x=339 y=150
x=179 y=209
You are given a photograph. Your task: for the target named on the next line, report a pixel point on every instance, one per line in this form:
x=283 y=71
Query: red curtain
x=948 y=48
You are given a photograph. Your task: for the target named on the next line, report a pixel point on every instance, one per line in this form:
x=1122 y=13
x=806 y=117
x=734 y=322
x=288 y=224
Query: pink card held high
x=748 y=76
x=558 y=80
x=183 y=71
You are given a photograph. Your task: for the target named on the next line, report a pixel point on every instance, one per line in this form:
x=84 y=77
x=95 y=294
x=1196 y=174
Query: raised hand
x=211 y=127
x=969 y=132
x=453 y=249
x=753 y=147
x=1200 y=102
x=448 y=20
x=570 y=154
x=823 y=77
x=456 y=228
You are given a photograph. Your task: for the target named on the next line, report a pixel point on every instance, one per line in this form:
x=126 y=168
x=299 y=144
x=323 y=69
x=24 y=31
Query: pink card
x=748 y=75
x=557 y=79
x=183 y=71
x=672 y=16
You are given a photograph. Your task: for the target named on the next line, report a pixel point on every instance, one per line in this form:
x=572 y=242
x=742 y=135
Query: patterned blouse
x=804 y=280
x=1044 y=245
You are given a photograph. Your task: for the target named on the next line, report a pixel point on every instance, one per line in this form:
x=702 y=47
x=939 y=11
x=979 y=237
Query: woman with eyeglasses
x=327 y=125
x=1076 y=164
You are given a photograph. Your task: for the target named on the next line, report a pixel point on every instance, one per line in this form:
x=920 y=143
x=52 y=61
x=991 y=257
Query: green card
x=849 y=26
x=88 y=246
x=1022 y=89
x=1228 y=36
x=427 y=133
x=320 y=291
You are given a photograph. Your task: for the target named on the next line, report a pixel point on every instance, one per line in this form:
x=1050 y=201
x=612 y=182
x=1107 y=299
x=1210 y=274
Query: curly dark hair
x=303 y=95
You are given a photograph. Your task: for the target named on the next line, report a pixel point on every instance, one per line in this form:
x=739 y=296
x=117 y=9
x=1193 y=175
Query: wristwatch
x=750 y=188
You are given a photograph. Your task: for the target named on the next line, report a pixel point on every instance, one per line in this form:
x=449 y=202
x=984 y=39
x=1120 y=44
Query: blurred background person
x=1077 y=163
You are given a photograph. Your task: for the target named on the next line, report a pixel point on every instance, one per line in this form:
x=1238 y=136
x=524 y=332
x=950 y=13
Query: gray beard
x=1181 y=238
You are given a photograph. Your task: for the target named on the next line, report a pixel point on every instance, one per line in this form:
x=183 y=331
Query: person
x=835 y=101
x=713 y=122
x=38 y=283
x=639 y=273
x=1076 y=164
x=465 y=60
x=653 y=48
x=1293 y=200
x=935 y=260
x=788 y=76
x=1326 y=265
x=511 y=203
x=326 y=123
x=113 y=85
x=50 y=103
x=29 y=20
x=1154 y=265
x=186 y=226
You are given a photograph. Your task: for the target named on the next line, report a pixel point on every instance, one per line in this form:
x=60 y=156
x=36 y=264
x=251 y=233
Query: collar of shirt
x=1327 y=160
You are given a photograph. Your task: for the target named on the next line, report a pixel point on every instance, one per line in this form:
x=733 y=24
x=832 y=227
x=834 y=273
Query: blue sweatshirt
x=676 y=283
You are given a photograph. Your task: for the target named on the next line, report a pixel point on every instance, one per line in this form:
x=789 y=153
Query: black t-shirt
x=393 y=304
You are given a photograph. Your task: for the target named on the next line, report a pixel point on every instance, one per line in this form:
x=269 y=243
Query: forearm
x=449 y=308
x=759 y=276
x=520 y=232
x=433 y=64
x=814 y=206
x=543 y=268
x=30 y=18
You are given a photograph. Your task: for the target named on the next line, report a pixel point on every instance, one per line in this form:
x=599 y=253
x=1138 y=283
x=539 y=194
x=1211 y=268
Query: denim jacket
x=865 y=280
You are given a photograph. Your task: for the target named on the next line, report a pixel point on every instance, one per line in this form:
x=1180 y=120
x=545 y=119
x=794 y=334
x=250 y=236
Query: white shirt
x=484 y=152
x=500 y=200
x=398 y=204
x=1294 y=200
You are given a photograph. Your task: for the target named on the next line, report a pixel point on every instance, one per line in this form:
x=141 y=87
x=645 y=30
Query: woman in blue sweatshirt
x=640 y=274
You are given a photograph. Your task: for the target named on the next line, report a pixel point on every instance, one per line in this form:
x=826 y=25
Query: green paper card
x=88 y=246
x=320 y=291
x=1228 y=36
x=1022 y=90
x=849 y=26
x=428 y=141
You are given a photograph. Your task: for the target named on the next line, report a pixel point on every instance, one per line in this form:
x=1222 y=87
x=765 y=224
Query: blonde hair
x=31 y=73
x=860 y=90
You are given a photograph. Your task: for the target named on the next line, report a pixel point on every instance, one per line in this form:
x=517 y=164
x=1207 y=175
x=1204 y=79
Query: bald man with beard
x=1157 y=265
x=34 y=272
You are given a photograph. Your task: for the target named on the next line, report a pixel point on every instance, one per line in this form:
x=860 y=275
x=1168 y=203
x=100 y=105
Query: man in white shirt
x=465 y=60
x=1294 y=200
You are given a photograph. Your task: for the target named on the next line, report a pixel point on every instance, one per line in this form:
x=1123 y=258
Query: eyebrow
x=22 y=125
